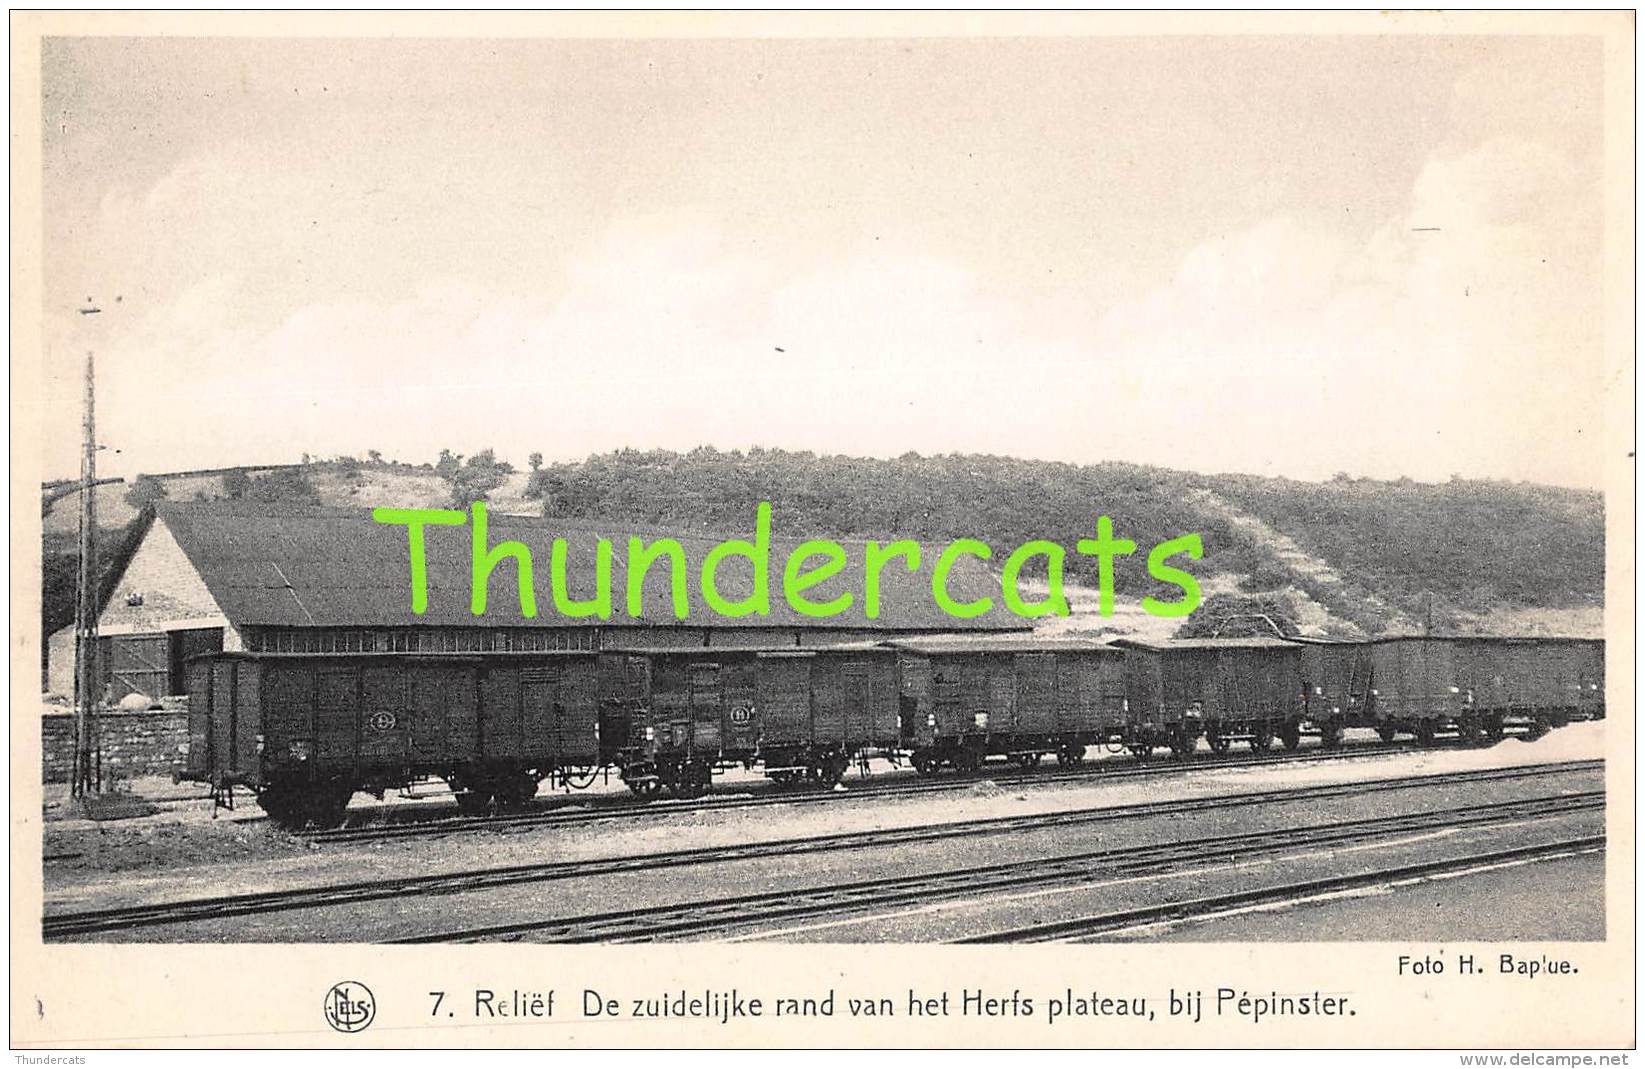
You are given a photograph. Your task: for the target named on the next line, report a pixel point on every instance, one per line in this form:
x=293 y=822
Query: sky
x=1295 y=256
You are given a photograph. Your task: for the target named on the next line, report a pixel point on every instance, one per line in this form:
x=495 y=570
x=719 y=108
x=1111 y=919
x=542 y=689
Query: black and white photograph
x=756 y=489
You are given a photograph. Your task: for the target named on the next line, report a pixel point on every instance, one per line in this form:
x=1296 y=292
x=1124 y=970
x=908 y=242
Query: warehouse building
x=237 y=576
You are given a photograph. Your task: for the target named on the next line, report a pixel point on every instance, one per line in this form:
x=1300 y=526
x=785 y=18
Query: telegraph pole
x=85 y=617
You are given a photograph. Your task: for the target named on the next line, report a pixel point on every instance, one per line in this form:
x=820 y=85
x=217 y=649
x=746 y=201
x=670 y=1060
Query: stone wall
x=129 y=744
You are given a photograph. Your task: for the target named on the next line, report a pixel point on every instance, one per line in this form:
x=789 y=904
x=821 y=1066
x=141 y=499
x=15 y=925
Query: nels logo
x=350 y=1006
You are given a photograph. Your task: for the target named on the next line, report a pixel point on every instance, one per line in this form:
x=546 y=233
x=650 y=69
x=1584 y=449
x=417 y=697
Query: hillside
x=1349 y=556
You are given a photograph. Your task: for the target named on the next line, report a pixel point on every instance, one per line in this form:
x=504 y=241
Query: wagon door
x=885 y=716
x=199 y=719
x=457 y=690
x=248 y=717
x=624 y=681
x=1034 y=704
x=952 y=683
x=386 y=716
x=1077 y=709
x=230 y=739
x=915 y=701
x=1189 y=679
x=740 y=729
x=784 y=701
x=859 y=724
x=704 y=703
x=827 y=701
x=543 y=731
x=580 y=713
x=336 y=719
x=501 y=737
x=558 y=715
x=999 y=698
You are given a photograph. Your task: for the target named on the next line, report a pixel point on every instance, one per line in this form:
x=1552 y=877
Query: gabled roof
x=310 y=567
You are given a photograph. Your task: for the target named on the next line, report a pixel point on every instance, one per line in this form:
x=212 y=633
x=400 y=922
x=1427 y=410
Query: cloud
x=1457 y=337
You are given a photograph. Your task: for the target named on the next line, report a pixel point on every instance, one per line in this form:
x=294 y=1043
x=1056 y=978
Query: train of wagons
x=306 y=731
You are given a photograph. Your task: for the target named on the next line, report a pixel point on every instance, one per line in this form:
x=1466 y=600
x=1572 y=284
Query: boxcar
x=308 y=730
x=1229 y=689
x=1416 y=686
x=1539 y=682
x=966 y=698
x=1336 y=686
x=1476 y=687
x=1572 y=674
x=797 y=713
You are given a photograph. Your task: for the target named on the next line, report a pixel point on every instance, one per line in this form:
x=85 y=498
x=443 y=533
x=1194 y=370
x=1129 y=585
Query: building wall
x=60 y=662
x=130 y=744
x=174 y=597
x=173 y=594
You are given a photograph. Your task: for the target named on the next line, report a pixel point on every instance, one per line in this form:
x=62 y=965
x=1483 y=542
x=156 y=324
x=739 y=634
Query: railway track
x=1209 y=906
x=720 y=916
x=60 y=925
x=626 y=808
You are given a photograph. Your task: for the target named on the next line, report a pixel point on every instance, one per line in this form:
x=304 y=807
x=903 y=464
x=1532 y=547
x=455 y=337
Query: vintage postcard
x=836 y=530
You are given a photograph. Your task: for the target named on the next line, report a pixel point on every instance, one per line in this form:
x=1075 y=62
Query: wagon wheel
x=1387 y=732
x=1494 y=728
x=1026 y=761
x=1219 y=742
x=1290 y=736
x=516 y=790
x=282 y=804
x=1182 y=743
x=1536 y=729
x=1469 y=731
x=1071 y=754
x=328 y=803
x=473 y=803
x=695 y=779
x=925 y=763
x=1140 y=751
x=642 y=779
x=1425 y=732
x=1262 y=741
x=968 y=761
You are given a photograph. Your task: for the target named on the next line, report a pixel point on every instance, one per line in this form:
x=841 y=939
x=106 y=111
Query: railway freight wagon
x=967 y=698
x=306 y=731
x=1336 y=686
x=798 y=713
x=1572 y=675
x=1476 y=687
x=1228 y=689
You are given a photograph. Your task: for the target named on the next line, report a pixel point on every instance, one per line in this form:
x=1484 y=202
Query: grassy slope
x=1350 y=553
